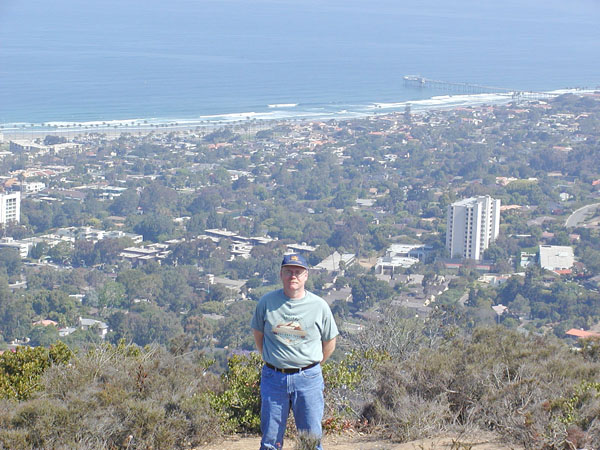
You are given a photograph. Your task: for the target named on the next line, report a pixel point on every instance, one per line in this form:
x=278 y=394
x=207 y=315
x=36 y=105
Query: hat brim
x=294 y=265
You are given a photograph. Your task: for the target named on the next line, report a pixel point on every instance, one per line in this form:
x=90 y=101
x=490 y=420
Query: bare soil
x=359 y=441
x=367 y=263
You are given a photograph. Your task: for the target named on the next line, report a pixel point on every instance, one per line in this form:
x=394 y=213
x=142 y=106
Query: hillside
x=404 y=379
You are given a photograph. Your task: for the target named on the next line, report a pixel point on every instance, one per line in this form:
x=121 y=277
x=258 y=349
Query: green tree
x=43 y=336
x=61 y=253
x=154 y=227
x=150 y=324
x=112 y=294
x=38 y=250
x=10 y=260
x=125 y=204
x=367 y=290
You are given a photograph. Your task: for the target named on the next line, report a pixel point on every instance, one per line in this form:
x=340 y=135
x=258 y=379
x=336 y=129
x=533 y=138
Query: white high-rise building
x=472 y=224
x=10 y=207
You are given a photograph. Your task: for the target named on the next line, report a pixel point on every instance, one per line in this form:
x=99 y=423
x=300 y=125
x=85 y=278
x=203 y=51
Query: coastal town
x=156 y=235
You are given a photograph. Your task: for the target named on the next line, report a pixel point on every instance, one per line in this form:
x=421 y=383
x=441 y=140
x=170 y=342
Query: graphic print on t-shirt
x=290 y=331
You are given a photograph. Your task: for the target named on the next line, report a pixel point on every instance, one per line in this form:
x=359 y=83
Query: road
x=580 y=215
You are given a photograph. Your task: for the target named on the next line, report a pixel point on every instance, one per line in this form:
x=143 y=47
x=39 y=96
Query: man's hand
x=328 y=348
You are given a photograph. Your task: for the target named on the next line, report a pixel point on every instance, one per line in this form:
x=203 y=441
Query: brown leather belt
x=271 y=366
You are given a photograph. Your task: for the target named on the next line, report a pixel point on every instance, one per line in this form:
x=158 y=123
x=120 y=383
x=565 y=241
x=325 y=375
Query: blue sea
x=100 y=61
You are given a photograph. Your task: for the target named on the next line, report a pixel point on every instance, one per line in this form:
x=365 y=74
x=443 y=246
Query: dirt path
x=357 y=441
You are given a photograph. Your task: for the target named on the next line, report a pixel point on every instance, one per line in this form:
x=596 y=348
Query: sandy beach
x=252 y=121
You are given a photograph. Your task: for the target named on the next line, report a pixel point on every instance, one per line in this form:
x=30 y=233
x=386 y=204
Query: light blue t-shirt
x=293 y=329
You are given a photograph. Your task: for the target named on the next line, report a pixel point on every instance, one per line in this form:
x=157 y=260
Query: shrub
x=20 y=371
x=239 y=403
x=531 y=390
x=117 y=397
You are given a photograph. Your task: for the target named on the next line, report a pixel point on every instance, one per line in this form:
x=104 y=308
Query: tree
x=38 y=250
x=61 y=253
x=175 y=294
x=84 y=253
x=218 y=293
x=234 y=331
x=156 y=198
x=53 y=140
x=367 y=290
x=200 y=329
x=112 y=295
x=125 y=204
x=119 y=327
x=154 y=226
x=137 y=284
x=520 y=306
x=43 y=336
x=10 y=260
x=109 y=248
x=150 y=324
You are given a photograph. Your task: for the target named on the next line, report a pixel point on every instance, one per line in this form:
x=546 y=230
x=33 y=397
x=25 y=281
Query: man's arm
x=258 y=340
x=328 y=348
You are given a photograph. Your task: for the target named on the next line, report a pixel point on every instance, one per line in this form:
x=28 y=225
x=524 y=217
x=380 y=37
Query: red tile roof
x=582 y=333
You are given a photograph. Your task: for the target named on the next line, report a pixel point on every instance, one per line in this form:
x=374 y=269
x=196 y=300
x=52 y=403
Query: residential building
x=95 y=235
x=527 y=259
x=556 y=257
x=300 y=248
x=233 y=286
x=32 y=187
x=392 y=263
x=10 y=207
x=582 y=334
x=472 y=224
x=100 y=327
x=140 y=255
x=332 y=262
x=23 y=247
x=398 y=256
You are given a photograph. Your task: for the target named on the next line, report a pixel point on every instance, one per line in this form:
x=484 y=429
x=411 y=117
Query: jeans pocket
x=312 y=373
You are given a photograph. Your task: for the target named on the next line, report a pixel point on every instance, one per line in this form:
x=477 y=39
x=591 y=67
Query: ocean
x=198 y=61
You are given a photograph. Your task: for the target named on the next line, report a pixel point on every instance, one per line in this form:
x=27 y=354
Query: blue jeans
x=303 y=392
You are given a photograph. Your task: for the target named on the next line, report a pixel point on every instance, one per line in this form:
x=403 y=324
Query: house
x=86 y=324
x=527 y=259
x=556 y=257
x=499 y=309
x=332 y=262
x=95 y=235
x=141 y=255
x=494 y=279
x=392 y=263
x=45 y=323
x=233 y=286
x=62 y=332
x=300 y=248
x=481 y=266
x=582 y=334
x=21 y=246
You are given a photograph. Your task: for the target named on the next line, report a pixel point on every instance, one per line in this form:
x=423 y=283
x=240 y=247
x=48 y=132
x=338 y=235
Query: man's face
x=293 y=278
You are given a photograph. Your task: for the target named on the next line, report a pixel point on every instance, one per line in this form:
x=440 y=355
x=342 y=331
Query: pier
x=469 y=88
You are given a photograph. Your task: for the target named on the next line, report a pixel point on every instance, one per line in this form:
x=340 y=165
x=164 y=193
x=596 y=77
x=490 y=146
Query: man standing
x=294 y=332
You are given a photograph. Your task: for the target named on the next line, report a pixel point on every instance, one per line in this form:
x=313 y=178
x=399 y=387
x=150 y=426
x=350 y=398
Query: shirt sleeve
x=329 y=329
x=258 y=319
